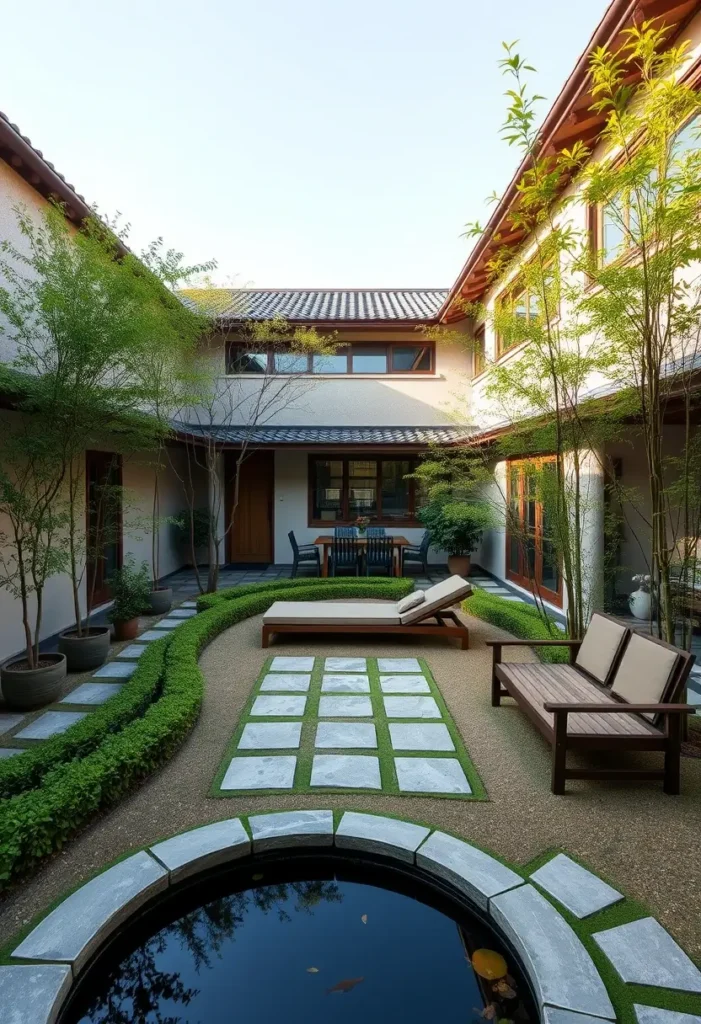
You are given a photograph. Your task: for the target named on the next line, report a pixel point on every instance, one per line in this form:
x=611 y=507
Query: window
x=343 y=489
x=358 y=358
x=336 y=363
x=242 y=361
x=522 y=304
x=479 y=356
x=369 y=359
x=411 y=358
x=531 y=557
x=290 y=362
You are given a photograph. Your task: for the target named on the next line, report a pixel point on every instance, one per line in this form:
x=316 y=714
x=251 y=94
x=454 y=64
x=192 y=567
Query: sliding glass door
x=531 y=558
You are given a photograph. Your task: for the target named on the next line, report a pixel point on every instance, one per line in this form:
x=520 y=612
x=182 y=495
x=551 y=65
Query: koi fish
x=345 y=986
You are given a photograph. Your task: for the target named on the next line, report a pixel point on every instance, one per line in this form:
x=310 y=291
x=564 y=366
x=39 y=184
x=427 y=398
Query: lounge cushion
x=441 y=595
x=645 y=672
x=332 y=613
x=411 y=601
x=601 y=646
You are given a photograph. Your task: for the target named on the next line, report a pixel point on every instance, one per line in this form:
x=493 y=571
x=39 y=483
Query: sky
x=299 y=143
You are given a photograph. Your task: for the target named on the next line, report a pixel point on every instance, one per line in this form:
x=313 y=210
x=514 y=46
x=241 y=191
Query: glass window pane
x=688 y=140
x=291 y=362
x=328 y=490
x=242 y=361
x=613 y=240
x=531 y=497
x=336 y=363
x=395 y=489
x=369 y=359
x=520 y=305
x=530 y=557
x=551 y=575
x=411 y=358
x=362 y=488
x=514 y=550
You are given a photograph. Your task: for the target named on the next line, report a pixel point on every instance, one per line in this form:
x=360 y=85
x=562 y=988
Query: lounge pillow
x=644 y=673
x=600 y=647
x=440 y=595
x=411 y=601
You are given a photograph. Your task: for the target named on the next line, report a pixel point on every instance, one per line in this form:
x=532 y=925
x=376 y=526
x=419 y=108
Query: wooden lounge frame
x=552 y=716
x=447 y=626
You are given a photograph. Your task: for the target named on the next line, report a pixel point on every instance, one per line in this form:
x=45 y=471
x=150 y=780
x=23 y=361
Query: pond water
x=308 y=943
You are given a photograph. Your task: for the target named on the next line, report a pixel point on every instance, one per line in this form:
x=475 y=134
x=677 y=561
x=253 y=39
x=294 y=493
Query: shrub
x=131 y=590
x=521 y=620
x=456 y=526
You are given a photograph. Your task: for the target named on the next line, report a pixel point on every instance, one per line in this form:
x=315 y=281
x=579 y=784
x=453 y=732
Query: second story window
x=348 y=360
x=479 y=357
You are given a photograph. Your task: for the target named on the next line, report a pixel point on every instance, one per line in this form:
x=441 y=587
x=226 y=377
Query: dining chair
x=376 y=531
x=417 y=553
x=379 y=554
x=303 y=553
x=345 y=554
x=345 y=531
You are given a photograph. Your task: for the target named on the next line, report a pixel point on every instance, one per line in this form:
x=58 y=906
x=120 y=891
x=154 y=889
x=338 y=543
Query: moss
x=521 y=620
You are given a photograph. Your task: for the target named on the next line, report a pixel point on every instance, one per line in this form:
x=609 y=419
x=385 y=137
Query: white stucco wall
x=138 y=476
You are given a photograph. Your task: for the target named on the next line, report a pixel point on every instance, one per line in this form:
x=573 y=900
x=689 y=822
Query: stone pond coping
x=564 y=978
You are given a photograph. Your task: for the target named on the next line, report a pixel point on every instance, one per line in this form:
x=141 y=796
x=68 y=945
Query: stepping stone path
x=643 y=953
x=106 y=682
x=575 y=887
x=339 y=705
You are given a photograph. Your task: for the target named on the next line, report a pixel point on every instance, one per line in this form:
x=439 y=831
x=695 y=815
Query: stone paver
x=203 y=848
x=411 y=707
x=132 y=651
x=393 y=665
x=51 y=723
x=273 y=772
x=404 y=684
x=92 y=693
x=82 y=922
x=348 y=771
x=335 y=683
x=288 y=828
x=167 y=624
x=575 y=887
x=561 y=971
x=281 y=664
x=420 y=736
x=653 y=1015
x=643 y=953
x=345 y=665
x=33 y=993
x=431 y=775
x=286 y=681
x=270 y=735
x=8 y=720
x=281 y=706
x=116 y=670
x=470 y=870
x=346 y=734
x=553 y=1015
x=149 y=635
x=376 y=834
x=189 y=604
x=345 y=707
x=9 y=752
x=182 y=613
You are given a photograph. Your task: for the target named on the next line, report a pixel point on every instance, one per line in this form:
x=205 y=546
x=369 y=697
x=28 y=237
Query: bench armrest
x=533 y=643
x=618 y=709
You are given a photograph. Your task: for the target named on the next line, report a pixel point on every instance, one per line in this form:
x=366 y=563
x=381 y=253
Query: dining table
x=325 y=542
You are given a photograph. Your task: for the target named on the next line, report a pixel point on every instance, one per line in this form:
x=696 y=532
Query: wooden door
x=103 y=523
x=251 y=536
x=530 y=553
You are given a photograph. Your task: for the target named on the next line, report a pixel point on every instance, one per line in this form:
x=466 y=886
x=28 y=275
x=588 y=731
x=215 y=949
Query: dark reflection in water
x=301 y=952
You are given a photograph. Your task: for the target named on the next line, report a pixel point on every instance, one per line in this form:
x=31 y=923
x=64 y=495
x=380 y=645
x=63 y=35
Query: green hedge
x=36 y=823
x=521 y=620
x=399 y=587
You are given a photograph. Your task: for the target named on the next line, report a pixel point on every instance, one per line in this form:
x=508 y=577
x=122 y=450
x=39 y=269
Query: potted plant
x=362 y=523
x=131 y=590
x=456 y=527
x=640 y=601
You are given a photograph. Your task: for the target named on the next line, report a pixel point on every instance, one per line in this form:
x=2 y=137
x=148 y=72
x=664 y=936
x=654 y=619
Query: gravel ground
x=644 y=842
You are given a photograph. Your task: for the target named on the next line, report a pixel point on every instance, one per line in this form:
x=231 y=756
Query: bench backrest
x=440 y=595
x=651 y=672
x=602 y=647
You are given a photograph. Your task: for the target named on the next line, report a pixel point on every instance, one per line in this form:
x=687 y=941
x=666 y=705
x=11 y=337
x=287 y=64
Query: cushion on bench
x=601 y=646
x=645 y=672
x=439 y=596
x=412 y=600
x=332 y=613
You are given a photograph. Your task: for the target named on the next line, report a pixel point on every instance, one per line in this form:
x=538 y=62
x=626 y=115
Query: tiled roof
x=308 y=304
x=328 y=435
x=20 y=138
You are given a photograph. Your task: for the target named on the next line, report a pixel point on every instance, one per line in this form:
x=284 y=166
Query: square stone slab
x=291 y=828
x=411 y=707
x=274 y=772
x=167 y=624
x=346 y=771
x=575 y=887
x=132 y=651
x=417 y=736
x=376 y=834
x=333 y=683
x=653 y=1015
x=51 y=723
x=473 y=872
x=346 y=734
x=292 y=665
x=270 y=735
x=92 y=693
x=182 y=613
x=204 y=847
x=189 y=604
x=431 y=775
x=644 y=953
x=398 y=665
x=346 y=665
x=345 y=707
x=286 y=681
x=404 y=684
x=149 y=635
x=8 y=720
x=116 y=670
x=553 y=1015
x=33 y=993
x=8 y=752
x=279 y=707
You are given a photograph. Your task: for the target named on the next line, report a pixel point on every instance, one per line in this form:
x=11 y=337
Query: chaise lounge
x=617 y=693
x=422 y=613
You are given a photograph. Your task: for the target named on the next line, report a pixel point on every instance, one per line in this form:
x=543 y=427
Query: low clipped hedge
x=389 y=589
x=521 y=620
x=37 y=822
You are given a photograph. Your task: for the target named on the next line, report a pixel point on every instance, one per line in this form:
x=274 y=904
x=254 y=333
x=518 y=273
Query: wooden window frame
x=518 y=287
x=347 y=349
x=552 y=596
x=379 y=458
x=479 y=351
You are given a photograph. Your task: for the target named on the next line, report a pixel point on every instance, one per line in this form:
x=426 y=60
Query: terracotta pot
x=459 y=565
x=126 y=629
x=160 y=600
x=27 y=688
x=87 y=651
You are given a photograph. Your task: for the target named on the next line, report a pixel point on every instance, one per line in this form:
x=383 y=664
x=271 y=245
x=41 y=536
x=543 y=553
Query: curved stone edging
x=561 y=971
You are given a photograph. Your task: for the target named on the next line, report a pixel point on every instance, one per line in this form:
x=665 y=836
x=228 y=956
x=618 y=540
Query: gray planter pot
x=25 y=688
x=161 y=600
x=87 y=651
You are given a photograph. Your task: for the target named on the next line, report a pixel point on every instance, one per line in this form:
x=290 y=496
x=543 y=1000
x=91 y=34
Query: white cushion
x=411 y=601
x=441 y=595
x=332 y=613
x=600 y=646
x=644 y=672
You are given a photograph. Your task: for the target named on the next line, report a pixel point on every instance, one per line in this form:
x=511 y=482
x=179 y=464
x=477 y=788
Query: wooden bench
x=574 y=707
